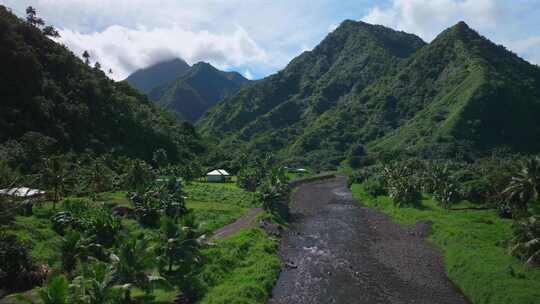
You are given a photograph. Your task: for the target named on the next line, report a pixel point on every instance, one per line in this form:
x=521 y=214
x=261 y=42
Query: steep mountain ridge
x=273 y=111
x=199 y=89
x=460 y=94
x=159 y=74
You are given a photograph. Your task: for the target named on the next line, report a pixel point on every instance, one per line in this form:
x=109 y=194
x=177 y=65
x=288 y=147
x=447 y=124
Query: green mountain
x=50 y=99
x=160 y=74
x=273 y=113
x=385 y=91
x=200 y=88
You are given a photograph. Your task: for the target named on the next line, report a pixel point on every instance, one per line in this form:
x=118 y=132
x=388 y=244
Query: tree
x=160 y=158
x=170 y=241
x=99 y=177
x=74 y=247
x=97 y=65
x=274 y=190
x=96 y=284
x=356 y=155
x=15 y=262
x=139 y=176
x=110 y=71
x=249 y=178
x=32 y=18
x=402 y=185
x=86 y=57
x=173 y=199
x=56 y=292
x=134 y=259
x=54 y=175
x=50 y=31
x=525 y=242
x=524 y=187
x=178 y=253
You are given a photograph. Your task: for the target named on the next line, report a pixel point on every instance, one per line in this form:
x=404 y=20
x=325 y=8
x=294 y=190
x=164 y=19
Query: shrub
x=374 y=186
x=16 y=264
x=525 y=243
x=274 y=192
x=249 y=178
x=403 y=187
x=139 y=176
x=90 y=219
x=446 y=194
x=159 y=200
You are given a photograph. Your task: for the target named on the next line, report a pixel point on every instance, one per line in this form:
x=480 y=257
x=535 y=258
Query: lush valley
x=187 y=91
x=119 y=209
x=102 y=195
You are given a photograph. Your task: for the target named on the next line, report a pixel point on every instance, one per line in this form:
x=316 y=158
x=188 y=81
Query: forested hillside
x=200 y=88
x=369 y=88
x=53 y=102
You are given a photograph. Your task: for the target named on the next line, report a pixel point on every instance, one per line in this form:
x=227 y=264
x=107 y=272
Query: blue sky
x=259 y=37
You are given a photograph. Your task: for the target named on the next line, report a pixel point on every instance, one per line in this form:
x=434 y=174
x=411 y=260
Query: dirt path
x=338 y=252
x=244 y=222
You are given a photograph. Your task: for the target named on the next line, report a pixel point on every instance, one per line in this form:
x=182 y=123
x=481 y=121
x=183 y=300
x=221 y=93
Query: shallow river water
x=338 y=252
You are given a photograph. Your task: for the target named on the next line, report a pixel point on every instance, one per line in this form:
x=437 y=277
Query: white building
x=22 y=192
x=218 y=175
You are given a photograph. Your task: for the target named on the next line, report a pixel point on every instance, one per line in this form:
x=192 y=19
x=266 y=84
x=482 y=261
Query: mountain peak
x=201 y=65
x=158 y=74
x=461 y=29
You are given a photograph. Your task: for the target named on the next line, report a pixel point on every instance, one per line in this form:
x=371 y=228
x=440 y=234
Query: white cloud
x=528 y=48
x=247 y=73
x=262 y=35
x=511 y=23
x=427 y=18
x=124 y=50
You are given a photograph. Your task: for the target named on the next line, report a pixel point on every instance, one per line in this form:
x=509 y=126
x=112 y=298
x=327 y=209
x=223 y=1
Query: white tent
x=218 y=175
x=21 y=192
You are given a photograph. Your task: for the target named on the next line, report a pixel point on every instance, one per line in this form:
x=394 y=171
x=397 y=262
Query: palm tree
x=133 y=261
x=75 y=246
x=96 y=284
x=54 y=176
x=524 y=187
x=177 y=246
x=56 y=292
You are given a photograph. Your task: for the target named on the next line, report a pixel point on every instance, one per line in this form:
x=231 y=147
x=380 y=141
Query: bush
x=249 y=178
x=355 y=178
x=90 y=219
x=274 y=192
x=159 y=200
x=525 y=243
x=403 y=187
x=374 y=186
x=16 y=265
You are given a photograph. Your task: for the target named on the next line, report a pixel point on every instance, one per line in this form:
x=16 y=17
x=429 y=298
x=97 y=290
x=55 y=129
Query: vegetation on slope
x=461 y=96
x=159 y=74
x=270 y=114
x=190 y=95
x=52 y=102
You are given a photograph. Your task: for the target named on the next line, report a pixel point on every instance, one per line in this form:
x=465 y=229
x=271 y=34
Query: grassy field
x=473 y=244
x=214 y=205
x=240 y=269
